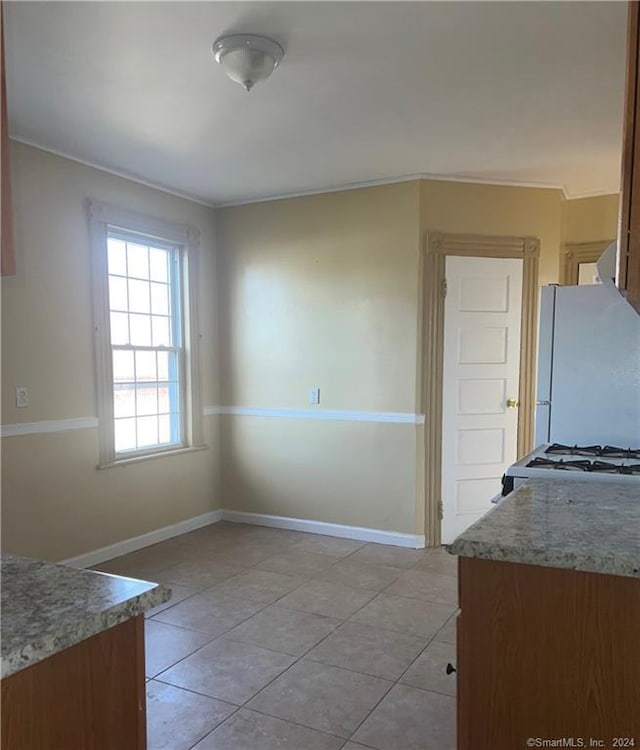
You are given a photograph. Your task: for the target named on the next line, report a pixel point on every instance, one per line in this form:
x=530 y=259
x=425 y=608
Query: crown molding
x=393 y=181
x=593 y=194
x=321 y=190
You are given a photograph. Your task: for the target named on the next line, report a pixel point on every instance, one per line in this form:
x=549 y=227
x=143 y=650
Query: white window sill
x=152 y=456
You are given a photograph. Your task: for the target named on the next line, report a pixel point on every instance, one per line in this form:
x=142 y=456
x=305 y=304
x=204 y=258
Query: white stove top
x=593 y=463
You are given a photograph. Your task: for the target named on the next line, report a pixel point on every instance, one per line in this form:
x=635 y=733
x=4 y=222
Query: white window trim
x=101 y=217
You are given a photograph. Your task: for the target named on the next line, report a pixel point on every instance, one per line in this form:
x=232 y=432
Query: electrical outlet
x=315 y=396
x=22 y=396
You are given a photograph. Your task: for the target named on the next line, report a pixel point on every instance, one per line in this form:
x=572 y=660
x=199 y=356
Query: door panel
x=486 y=345
x=480 y=446
x=478 y=294
x=481 y=395
x=481 y=372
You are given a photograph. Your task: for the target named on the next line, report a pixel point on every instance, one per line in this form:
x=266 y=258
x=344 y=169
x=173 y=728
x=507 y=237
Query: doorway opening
x=579 y=261
x=438 y=248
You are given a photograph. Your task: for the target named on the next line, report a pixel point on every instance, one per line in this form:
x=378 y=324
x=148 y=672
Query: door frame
x=575 y=253
x=436 y=247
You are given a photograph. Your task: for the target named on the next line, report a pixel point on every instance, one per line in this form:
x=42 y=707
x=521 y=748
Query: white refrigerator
x=588 y=388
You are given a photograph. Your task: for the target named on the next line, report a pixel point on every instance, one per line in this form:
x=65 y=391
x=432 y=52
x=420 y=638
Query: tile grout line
x=203 y=695
x=213 y=729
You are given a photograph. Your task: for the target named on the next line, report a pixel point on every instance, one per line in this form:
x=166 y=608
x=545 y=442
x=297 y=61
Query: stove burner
x=604 y=467
x=632 y=469
x=609 y=451
x=595 y=467
x=573 y=450
x=547 y=463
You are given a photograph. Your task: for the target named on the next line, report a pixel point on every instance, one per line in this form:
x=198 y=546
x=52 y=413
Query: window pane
x=138 y=260
x=125 y=434
x=161 y=331
x=140 y=330
x=147 y=402
x=123 y=366
x=160 y=299
x=164 y=428
x=159 y=264
x=164 y=406
x=139 y=296
x=117 y=293
x=163 y=365
x=147 y=431
x=124 y=400
x=146 y=366
x=117 y=257
x=119 y=328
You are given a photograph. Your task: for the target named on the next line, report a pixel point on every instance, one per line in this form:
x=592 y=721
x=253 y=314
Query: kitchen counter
x=47 y=607
x=576 y=525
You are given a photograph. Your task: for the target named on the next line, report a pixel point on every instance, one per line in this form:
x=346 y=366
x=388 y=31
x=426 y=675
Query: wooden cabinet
x=546 y=653
x=628 y=271
x=90 y=696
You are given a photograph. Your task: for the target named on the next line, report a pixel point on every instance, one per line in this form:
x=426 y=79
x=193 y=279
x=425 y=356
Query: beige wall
x=460 y=207
x=55 y=503
x=592 y=219
x=321 y=291
x=314 y=291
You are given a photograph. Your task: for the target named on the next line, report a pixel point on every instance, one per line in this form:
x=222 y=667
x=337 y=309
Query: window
x=146 y=338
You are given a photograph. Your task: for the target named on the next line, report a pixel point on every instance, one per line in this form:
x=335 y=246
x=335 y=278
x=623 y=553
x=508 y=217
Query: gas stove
x=595 y=463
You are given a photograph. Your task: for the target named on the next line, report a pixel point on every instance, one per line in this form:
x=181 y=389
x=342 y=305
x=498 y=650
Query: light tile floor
x=280 y=640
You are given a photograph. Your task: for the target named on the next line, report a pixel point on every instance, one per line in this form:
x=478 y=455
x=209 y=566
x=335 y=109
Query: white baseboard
x=144 y=540
x=360 y=533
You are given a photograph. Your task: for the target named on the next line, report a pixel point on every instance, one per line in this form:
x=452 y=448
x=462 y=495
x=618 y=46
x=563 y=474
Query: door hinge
x=440 y=510
x=445 y=287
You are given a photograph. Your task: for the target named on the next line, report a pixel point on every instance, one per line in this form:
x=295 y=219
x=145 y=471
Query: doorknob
x=512 y=403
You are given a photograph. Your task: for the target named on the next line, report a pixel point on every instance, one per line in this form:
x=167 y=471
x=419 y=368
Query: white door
x=481 y=372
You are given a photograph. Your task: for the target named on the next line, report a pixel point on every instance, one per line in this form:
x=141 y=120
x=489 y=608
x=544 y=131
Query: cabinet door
x=546 y=653
x=628 y=272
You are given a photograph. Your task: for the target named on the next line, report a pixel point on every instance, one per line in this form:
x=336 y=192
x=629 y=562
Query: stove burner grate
x=573 y=450
x=604 y=467
x=547 y=463
x=594 y=467
x=608 y=451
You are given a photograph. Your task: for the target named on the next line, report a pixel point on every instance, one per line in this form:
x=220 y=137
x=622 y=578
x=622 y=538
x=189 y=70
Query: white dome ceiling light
x=247 y=58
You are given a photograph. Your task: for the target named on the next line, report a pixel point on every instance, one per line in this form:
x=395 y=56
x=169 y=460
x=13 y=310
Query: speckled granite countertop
x=579 y=525
x=48 y=607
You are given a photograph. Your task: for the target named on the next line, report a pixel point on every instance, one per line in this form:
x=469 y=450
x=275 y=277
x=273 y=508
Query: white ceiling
x=522 y=92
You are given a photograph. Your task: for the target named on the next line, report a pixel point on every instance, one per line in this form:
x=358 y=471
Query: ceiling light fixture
x=247 y=58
